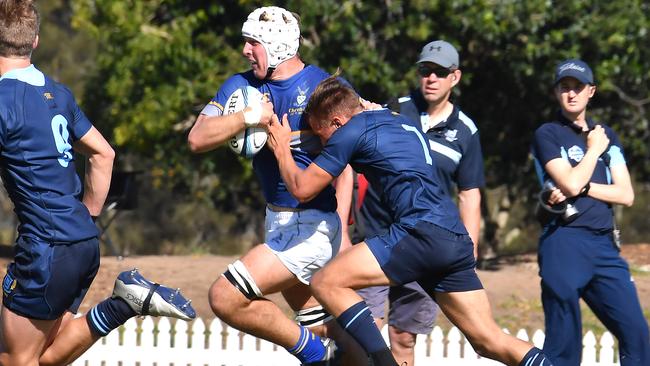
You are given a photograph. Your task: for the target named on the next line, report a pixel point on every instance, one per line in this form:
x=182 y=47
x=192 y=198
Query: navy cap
x=441 y=53
x=574 y=68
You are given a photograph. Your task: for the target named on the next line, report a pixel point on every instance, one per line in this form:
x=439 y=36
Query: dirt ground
x=512 y=283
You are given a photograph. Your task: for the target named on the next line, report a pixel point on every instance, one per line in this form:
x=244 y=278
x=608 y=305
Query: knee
x=319 y=284
x=556 y=290
x=400 y=339
x=323 y=282
x=222 y=297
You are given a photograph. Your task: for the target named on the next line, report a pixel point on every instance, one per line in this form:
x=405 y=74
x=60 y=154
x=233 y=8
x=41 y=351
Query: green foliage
x=165 y=224
x=159 y=61
x=70 y=64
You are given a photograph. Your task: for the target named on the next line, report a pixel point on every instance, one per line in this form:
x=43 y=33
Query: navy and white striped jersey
x=455 y=143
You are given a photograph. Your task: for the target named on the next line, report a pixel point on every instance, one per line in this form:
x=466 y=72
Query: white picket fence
x=145 y=343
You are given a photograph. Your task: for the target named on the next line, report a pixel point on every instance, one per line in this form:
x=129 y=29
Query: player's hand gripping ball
x=251 y=140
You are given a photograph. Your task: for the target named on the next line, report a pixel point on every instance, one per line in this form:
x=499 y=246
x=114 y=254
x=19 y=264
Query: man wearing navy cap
x=579 y=257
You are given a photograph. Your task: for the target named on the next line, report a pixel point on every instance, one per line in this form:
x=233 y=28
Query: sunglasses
x=441 y=72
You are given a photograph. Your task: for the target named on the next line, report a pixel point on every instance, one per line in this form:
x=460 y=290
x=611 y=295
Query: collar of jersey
x=29 y=75
x=422 y=106
x=577 y=129
x=450 y=122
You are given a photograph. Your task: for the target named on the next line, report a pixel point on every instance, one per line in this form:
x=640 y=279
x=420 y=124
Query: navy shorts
x=438 y=259
x=45 y=280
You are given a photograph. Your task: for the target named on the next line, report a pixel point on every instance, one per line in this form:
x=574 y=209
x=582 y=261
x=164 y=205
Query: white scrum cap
x=277 y=30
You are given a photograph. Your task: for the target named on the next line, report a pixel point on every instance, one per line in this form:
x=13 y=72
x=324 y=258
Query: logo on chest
x=450 y=135
x=575 y=153
x=302 y=96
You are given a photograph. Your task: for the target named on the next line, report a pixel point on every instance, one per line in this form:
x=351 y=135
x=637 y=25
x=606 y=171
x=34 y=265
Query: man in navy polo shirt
x=578 y=258
x=454 y=141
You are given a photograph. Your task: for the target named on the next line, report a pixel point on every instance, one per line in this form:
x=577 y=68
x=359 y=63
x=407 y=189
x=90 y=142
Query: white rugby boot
x=149 y=298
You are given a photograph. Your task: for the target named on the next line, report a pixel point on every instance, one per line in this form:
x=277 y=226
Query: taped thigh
x=239 y=276
x=312 y=317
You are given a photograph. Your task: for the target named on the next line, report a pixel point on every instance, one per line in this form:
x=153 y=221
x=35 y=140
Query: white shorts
x=304 y=241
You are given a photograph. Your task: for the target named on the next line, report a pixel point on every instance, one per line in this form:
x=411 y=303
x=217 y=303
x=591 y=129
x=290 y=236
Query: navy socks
x=357 y=320
x=535 y=357
x=108 y=315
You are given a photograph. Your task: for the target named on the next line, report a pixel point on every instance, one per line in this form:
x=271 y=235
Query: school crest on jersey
x=450 y=135
x=575 y=153
x=302 y=95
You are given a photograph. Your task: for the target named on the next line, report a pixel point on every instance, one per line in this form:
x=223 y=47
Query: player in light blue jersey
x=426 y=242
x=57 y=249
x=300 y=237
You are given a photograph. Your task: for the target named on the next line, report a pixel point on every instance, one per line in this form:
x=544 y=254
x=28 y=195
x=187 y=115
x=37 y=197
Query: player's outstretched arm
x=304 y=185
x=99 y=167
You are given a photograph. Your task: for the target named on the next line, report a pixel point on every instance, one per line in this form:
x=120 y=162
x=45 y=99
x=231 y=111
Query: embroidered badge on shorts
x=8 y=284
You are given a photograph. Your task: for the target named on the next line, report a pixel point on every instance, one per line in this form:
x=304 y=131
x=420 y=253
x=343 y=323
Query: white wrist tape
x=253 y=115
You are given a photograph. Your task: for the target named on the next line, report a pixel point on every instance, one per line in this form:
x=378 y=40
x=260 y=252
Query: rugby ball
x=251 y=140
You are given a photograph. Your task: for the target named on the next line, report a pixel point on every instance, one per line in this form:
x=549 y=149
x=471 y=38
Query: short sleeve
x=470 y=169
x=80 y=123
x=545 y=146
x=215 y=106
x=340 y=148
x=615 y=150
